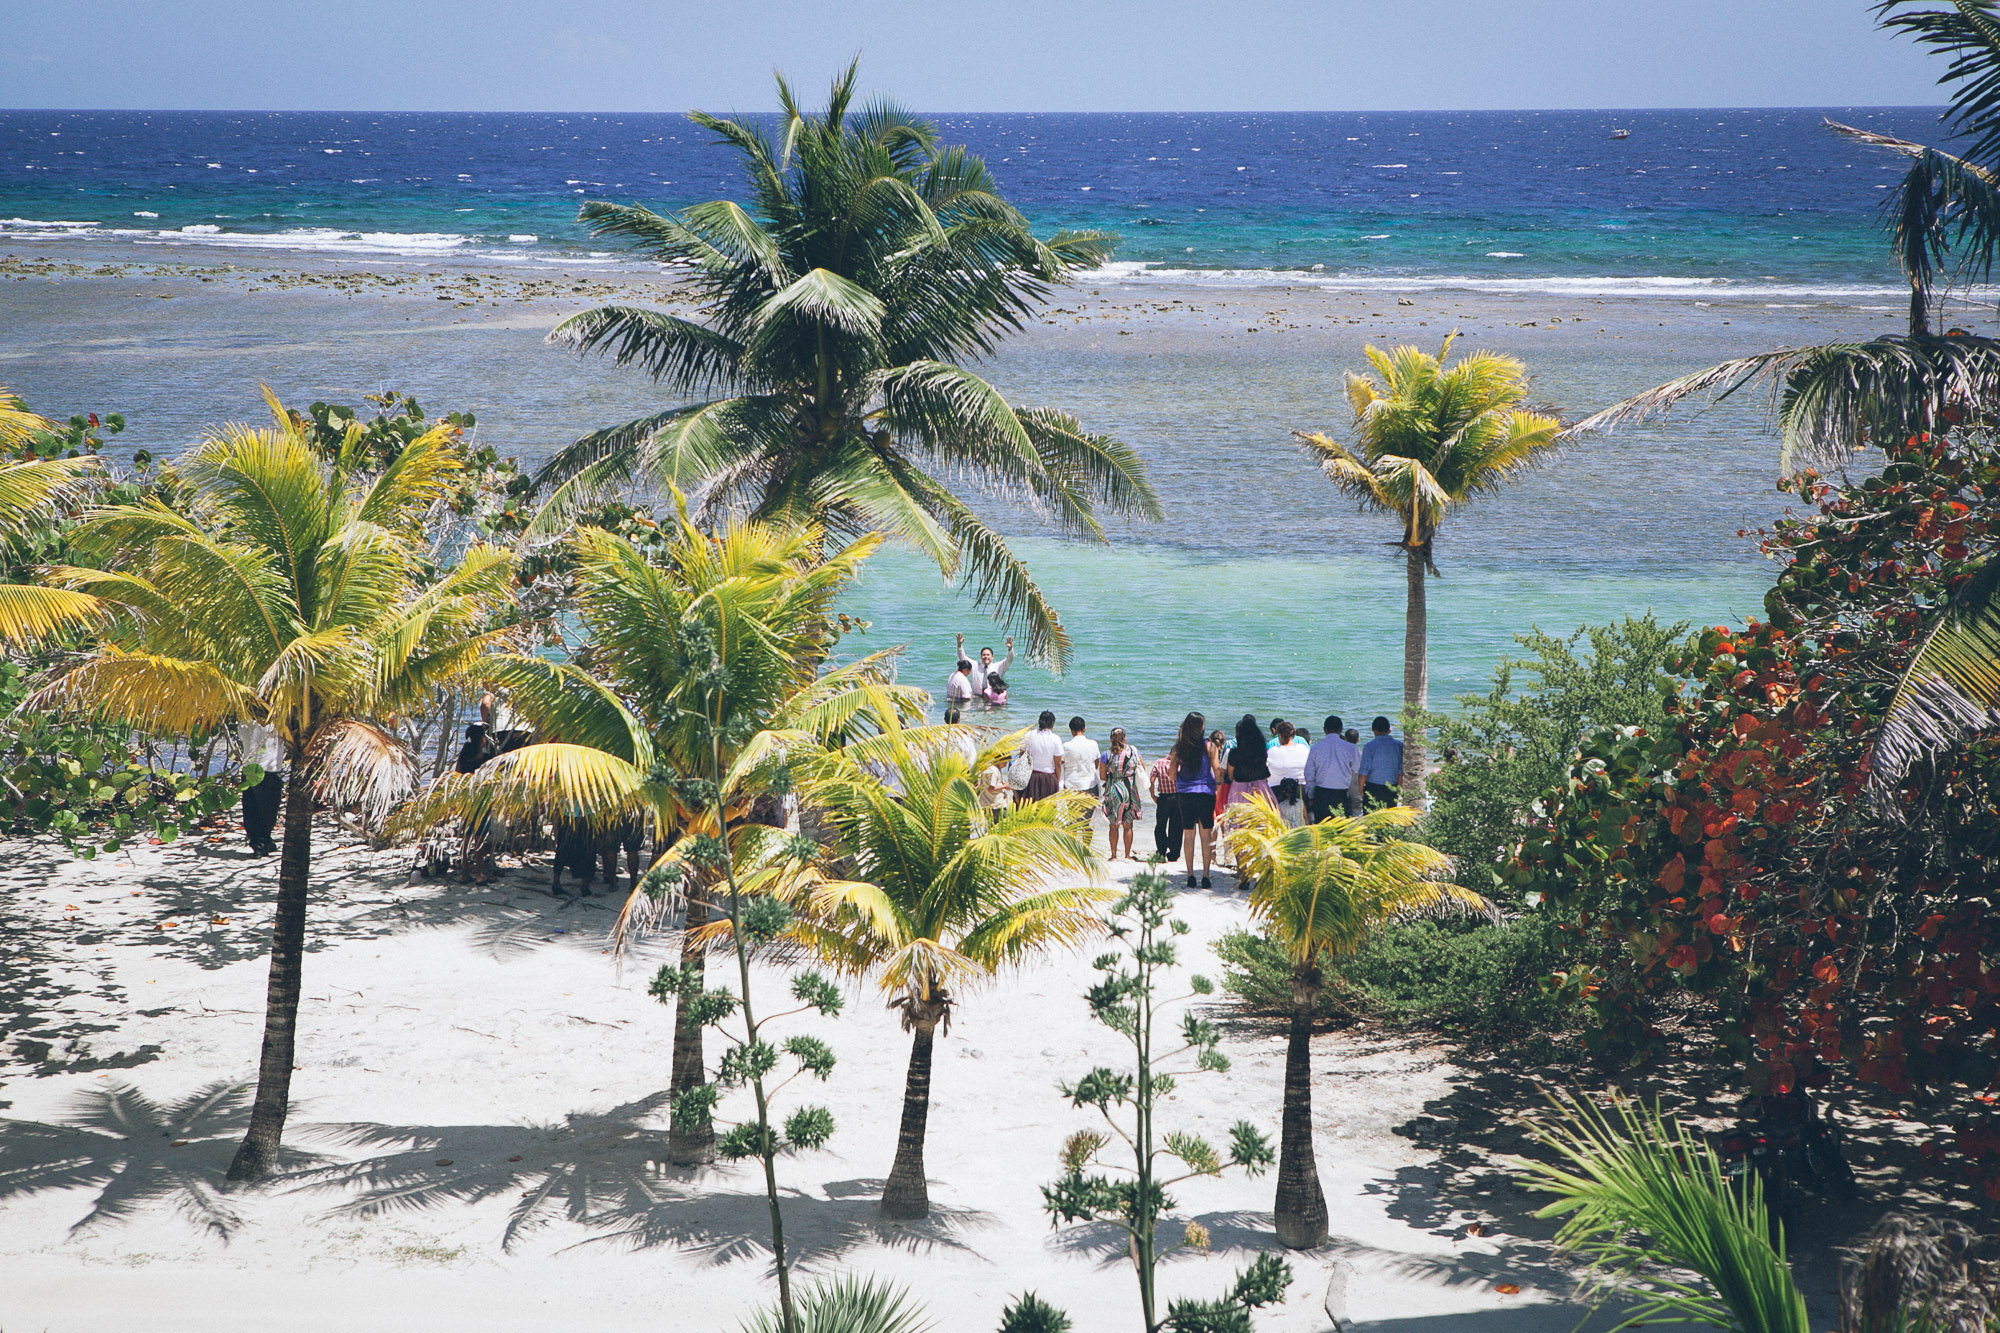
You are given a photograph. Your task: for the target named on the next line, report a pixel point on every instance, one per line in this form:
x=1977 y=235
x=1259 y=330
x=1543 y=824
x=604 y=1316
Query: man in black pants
x=262 y=747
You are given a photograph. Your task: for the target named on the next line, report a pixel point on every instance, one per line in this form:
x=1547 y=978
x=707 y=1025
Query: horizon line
x=1222 y=111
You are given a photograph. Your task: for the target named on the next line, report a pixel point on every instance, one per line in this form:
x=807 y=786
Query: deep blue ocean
x=1498 y=200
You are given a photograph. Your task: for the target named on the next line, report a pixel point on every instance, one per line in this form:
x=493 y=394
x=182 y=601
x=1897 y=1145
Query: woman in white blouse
x=1287 y=757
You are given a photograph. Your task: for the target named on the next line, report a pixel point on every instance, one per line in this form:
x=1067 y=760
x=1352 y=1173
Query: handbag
x=1020 y=771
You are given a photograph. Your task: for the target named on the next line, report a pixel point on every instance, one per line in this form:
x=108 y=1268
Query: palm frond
x=1951 y=687
x=364 y=767
x=1630 y=1170
x=1967 y=31
x=30 y=612
x=1831 y=400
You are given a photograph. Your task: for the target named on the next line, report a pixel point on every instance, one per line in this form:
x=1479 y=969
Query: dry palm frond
x=1919 y=1276
x=363 y=767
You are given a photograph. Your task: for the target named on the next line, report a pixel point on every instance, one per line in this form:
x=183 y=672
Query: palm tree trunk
x=907 y=1193
x=690 y=1144
x=1301 y=1207
x=258 y=1155
x=1416 y=678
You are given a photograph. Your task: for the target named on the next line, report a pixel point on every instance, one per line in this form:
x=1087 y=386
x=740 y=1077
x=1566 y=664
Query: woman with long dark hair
x=1250 y=765
x=1195 y=765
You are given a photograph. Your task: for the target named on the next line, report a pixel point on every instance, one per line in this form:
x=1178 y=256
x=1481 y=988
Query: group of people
x=1202 y=774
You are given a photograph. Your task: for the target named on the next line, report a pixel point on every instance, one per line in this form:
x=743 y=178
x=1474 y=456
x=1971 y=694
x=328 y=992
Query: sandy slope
x=463 y=1049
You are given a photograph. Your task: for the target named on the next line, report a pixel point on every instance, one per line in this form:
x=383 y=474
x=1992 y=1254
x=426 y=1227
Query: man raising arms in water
x=985 y=666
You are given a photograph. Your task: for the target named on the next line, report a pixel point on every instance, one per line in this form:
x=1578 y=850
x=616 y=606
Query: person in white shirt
x=1079 y=759
x=1333 y=774
x=263 y=747
x=1044 y=750
x=985 y=666
x=1287 y=757
x=958 y=690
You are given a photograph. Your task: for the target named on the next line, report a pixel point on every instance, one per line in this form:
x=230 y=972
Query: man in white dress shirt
x=984 y=666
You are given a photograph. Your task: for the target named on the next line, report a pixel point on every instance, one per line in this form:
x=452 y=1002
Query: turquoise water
x=1159 y=633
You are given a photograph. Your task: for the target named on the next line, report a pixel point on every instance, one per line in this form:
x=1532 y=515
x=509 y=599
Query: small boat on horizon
x=1621 y=134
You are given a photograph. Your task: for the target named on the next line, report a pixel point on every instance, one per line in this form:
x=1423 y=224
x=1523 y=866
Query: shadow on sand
x=135 y=1151
x=607 y=1173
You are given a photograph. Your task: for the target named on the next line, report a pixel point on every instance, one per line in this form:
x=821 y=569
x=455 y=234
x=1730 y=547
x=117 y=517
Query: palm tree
x=289 y=592
x=1320 y=890
x=1428 y=438
x=939 y=894
x=709 y=656
x=821 y=364
x=32 y=487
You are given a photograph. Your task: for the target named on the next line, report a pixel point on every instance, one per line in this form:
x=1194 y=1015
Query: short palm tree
x=939 y=894
x=1428 y=438
x=290 y=593
x=708 y=653
x=822 y=368
x=1320 y=890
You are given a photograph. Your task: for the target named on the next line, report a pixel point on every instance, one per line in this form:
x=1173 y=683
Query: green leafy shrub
x=1512 y=746
x=1477 y=981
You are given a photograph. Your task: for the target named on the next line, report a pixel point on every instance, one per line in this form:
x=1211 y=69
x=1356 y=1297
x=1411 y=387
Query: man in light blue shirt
x=1333 y=774
x=1382 y=766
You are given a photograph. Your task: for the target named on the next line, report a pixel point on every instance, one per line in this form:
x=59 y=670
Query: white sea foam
x=142 y=213
x=524 y=238
x=42 y=224
x=1504 y=254
x=1134 y=273
x=322 y=240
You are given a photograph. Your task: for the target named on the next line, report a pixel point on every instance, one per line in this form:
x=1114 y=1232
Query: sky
x=954 y=55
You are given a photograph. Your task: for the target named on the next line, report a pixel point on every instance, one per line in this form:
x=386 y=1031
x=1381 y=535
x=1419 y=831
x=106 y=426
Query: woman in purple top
x=1195 y=764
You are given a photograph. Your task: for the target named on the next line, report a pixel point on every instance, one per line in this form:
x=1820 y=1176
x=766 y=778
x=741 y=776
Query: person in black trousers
x=262 y=747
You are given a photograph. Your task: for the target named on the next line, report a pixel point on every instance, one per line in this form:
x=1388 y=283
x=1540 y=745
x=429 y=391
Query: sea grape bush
x=1736 y=853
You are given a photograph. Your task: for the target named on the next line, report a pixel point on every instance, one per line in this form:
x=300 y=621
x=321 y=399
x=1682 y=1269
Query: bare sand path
x=477 y=1118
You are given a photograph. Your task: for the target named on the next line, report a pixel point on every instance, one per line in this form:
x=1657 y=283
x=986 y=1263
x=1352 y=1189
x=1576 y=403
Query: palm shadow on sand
x=135 y=1151
x=606 y=1172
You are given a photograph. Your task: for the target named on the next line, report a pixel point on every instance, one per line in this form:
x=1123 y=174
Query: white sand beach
x=477 y=1121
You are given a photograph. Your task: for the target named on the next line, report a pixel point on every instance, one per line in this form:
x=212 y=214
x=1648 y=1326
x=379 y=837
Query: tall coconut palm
x=288 y=593
x=939 y=895
x=1320 y=890
x=1429 y=437
x=821 y=364
x=707 y=656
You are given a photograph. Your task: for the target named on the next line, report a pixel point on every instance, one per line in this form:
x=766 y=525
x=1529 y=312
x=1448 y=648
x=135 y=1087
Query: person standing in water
x=984 y=665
